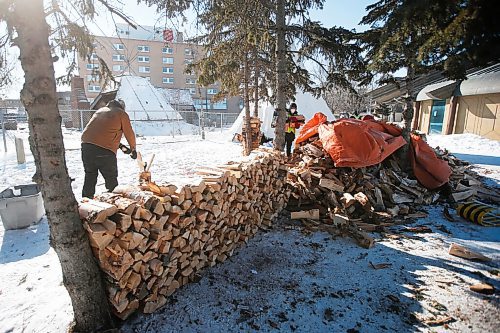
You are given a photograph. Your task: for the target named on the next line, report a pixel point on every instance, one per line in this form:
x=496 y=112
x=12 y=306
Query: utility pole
x=3 y=130
x=203 y=115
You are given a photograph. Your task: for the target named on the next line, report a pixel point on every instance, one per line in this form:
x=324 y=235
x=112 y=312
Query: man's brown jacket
x=106 y=127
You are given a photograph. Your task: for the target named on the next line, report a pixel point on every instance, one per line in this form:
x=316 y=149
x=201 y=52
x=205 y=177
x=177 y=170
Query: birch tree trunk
x=247 y=145
x=279 y=141
x=81 y=275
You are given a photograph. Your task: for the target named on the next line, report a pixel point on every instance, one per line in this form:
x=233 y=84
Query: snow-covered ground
x=482 y=152
x=282 y=279
x=176 y=158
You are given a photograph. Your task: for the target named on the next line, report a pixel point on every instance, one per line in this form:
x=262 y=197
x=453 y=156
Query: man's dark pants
x=96 y=159
x=289 y=137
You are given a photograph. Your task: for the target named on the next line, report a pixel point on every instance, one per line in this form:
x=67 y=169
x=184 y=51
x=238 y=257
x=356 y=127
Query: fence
x=160 y=122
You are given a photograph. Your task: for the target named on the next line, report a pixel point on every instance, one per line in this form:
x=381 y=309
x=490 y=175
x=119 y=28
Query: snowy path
x=282 y=279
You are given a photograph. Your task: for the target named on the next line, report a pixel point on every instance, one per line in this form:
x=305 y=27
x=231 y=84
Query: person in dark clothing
x=100 y=141
x=293 y=121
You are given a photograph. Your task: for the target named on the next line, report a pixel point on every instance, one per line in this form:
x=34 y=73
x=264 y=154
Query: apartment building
x=144 y=52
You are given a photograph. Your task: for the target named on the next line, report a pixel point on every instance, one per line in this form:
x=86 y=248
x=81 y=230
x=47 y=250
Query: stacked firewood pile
x=255 y=132
x=150 y=241
x=370 y=198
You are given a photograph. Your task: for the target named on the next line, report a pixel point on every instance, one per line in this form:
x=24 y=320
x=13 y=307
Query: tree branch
x=118 y=13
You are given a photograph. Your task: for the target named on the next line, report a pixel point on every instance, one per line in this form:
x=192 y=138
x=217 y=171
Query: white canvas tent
x=149 y=110
x=307 y=105
x=143 y=101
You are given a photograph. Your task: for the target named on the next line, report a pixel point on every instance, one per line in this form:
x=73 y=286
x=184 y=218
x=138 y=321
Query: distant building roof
x=486 y=81
x=434 y=85
x=478 y=82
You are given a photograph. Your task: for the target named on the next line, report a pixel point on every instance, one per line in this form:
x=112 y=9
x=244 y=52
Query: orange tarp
x=357 y=143
x=311 y=127
x=430 y=171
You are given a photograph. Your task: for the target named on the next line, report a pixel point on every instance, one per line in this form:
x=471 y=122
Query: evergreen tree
x=281 y=48
x=467 y=34
x=429 y=35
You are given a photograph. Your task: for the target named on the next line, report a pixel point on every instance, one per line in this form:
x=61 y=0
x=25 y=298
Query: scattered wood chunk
x=380 y=266
x=363 y=200
x=418 y=230
x=438 y=321
x=348 y=200
x=460 y=196
x=400 y=198
x=330 y=184
x=463 y=252
x=312 y=214
x=483 y=288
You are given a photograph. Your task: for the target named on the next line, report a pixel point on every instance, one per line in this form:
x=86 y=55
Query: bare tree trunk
x=247 y=145
x=81 y=275
x=256 y=85
x=279 y=141
x=407 y=118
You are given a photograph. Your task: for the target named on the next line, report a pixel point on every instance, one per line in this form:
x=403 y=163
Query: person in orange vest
x=100 y=142
x=293 y=121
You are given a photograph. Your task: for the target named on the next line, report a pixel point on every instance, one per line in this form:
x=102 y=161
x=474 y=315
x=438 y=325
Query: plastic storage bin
x=20 y=206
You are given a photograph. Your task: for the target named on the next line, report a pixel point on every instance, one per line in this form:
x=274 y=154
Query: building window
x=188 y=61
x=93 y=56
x=118 y=46
x=92 y=66
x=143 y=48
x=192 y=91
x=168 y=60
x=168 y=80
x=118 y=68
x=93 y=77
x=221 y=105
x=94 y=88
x=167 y=50
x=118 y=57
x=211 y=91
x=144 y=69
x=168 y=70
x=142 y=59
x=190 y=80
x=188 y=52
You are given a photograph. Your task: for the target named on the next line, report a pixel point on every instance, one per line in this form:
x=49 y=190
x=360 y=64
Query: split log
x=95 y=211
x=331 y=185
x=312 y=214
x=463 y=252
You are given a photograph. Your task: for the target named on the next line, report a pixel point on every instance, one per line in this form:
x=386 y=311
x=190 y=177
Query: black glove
x=125 y=149
x=133 y=154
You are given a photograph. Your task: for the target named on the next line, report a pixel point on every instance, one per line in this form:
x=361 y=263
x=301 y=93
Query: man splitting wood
x=293 y=121
x=100 y=141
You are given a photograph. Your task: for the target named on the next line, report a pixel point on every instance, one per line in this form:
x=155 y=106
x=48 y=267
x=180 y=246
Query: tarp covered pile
x=348 y=175
x=360 y=143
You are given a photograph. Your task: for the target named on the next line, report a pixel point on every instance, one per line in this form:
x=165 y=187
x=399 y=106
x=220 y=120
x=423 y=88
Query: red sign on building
x=168 y=35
